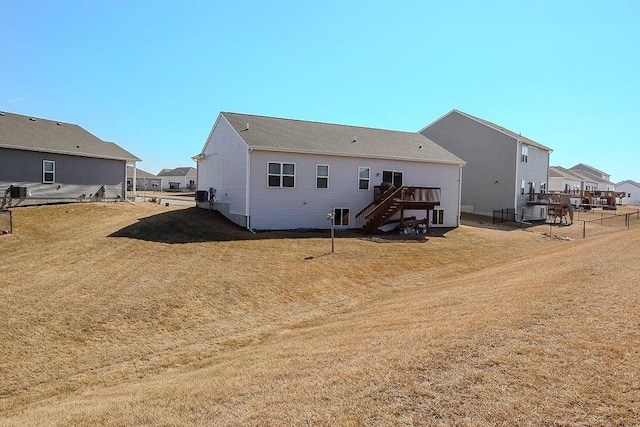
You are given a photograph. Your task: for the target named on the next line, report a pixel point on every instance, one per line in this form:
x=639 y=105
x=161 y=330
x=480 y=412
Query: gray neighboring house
x=504 y=169
x=631 y=190
x=145 y=181
x=46 y=161
x=179 y=179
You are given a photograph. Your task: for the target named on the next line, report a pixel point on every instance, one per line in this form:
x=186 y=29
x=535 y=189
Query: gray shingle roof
x=499 y=128
x=560 y=172
x=140 y=173
x=277 y=134
x=182 y=171
x=34 y=134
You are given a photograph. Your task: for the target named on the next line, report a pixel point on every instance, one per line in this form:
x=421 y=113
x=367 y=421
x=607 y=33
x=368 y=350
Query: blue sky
x=152 y=76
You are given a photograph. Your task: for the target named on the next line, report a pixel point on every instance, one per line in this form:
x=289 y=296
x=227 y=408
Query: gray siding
x=489 y=177
x=74 y=175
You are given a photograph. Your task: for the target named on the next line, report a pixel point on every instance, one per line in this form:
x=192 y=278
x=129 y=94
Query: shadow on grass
x=194 y=225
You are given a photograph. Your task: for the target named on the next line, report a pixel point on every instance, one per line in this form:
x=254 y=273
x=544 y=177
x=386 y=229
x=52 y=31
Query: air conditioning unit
x=18 y=192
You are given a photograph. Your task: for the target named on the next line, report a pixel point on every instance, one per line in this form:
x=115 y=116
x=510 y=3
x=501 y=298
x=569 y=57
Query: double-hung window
x=364 y=176
x=48 y=171
x=322 y=176
x=525 y=154
x=281 y=174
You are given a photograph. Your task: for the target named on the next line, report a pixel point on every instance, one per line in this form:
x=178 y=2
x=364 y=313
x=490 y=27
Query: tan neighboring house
x=145 y=181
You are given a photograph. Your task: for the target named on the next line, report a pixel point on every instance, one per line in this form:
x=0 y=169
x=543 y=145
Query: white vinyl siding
x=306 y=207
x=224 y=169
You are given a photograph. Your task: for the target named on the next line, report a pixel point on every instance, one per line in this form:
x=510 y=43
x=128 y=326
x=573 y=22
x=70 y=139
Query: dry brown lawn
x=114 y=314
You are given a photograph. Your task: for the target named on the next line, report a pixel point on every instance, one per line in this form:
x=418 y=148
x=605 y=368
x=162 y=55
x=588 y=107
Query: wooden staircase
x=394 y=200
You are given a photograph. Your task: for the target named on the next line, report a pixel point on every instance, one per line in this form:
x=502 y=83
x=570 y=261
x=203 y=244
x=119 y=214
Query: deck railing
x=409 y=196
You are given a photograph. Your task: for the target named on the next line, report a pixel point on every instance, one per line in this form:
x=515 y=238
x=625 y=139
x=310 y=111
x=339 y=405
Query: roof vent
x=59 y=124
x=247 y=126
x=1 y=113
x=77 y=146
x=421 y=147
x=355 y=139
x=32 y=119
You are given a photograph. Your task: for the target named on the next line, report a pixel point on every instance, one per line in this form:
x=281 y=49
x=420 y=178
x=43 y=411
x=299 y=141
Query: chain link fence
x=6 y=222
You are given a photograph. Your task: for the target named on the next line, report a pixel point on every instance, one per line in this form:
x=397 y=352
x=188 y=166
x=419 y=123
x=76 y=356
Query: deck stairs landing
x=395 y=200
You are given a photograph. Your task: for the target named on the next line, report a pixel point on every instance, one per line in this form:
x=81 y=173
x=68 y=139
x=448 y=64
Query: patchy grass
x=117 y=314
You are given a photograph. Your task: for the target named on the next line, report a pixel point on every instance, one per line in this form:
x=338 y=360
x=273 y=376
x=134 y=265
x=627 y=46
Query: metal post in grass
x=584 y=229
x=331 y=217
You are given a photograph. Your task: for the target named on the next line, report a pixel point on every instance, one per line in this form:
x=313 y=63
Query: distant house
x=270 y=173
x=568 y=181
x=178 y=179
x=145 y=181
x=631 y=190
x=602 y=179
x=46 y=161
x=504 y=169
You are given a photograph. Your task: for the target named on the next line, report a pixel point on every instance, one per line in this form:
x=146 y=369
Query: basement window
x=341 y=216
x=48 y=171
x=281 y=175
x=437 y=217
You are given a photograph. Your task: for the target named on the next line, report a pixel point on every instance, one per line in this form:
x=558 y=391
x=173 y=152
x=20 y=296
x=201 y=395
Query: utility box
x=18 y=192
x=202 y=196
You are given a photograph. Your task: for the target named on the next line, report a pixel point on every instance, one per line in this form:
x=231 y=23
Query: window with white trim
x=364 y=177
x=322 y=176
x=281 y=174
x=525 y=154
x=437 y=217
x=340 y=216
x=48 y=171
x=522 y=188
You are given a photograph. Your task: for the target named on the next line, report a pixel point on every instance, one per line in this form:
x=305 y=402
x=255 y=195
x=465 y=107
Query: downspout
x=248 y=190
x=517 y=184
x=133 y=183
x=459 y=194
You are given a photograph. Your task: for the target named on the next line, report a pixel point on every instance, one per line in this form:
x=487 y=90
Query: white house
x=178 y=179
x=601 y=179
x=631 y=190
x=568 y=181
x=272 y=173
x=504 y=169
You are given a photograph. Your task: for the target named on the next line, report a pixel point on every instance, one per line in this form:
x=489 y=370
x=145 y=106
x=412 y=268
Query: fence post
x=584 y=229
